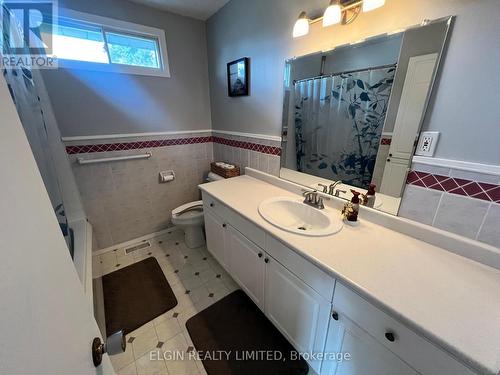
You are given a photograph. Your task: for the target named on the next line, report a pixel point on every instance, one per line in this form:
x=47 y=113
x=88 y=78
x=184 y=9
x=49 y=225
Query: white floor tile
x=128 y=370
x=146 y=366
x=167 y=329
x=145 y=342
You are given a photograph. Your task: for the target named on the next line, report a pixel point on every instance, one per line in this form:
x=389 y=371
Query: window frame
x=117 y=26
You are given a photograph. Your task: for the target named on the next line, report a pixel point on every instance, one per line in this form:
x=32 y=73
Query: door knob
x=114 y=344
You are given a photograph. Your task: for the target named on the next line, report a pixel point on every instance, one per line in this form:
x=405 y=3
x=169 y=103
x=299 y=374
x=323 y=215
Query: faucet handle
x=310 y=196
x=325 y=188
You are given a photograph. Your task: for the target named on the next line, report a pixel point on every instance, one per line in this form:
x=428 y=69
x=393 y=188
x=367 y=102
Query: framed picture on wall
x=237 y=77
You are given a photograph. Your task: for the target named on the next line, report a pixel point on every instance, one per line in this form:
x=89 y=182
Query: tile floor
x=197 y=281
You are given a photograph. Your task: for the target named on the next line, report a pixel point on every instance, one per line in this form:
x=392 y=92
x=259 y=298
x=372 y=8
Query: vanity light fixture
x=301 y=26
x=333 y=14
x=338 y=11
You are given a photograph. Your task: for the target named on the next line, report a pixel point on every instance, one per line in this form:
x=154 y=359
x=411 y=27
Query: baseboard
x=458 y=164
x=135 y=240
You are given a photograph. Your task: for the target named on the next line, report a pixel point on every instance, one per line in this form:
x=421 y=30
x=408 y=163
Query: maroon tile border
x=84 y=149
x=459 y=186
x=248 y=145
x=385 y=141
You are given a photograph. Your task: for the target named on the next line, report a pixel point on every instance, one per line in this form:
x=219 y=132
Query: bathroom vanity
x=394 y=303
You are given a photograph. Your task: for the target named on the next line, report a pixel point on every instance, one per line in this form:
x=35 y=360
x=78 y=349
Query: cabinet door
x=297 y=310
x=246 y=262
x=366 y=355
x=215 y=230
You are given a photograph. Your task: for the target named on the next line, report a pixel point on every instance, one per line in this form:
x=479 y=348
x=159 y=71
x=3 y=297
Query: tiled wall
x=260 y=154
x=124 y=200
x=465 y=203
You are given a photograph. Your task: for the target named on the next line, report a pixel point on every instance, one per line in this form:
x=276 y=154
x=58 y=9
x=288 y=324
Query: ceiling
x=200 y=9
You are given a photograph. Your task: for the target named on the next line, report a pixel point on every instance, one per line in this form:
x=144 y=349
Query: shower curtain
x=25 y=95
x=338 y=124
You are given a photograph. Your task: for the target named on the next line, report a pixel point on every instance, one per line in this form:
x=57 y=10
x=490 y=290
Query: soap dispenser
x=369 y=197
x=351 y=209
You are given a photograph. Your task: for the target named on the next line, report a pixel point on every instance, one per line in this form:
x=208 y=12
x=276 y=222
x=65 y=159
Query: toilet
x=189 y=217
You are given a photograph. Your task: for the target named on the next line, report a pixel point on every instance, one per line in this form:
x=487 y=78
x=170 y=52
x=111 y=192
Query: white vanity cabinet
x=300 y=312
x=379 y=344
x=299 y=299
x=358 y=352
x=246 y=266
x=216 y=235
x=297 y=310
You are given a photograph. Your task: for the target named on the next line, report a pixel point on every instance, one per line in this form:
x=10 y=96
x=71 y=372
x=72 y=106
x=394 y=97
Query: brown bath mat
x=236 y=326
x=135 y=295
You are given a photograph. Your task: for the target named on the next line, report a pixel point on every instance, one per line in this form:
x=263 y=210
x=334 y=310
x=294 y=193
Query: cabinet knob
x=390 y=155
x=390 y=336
x=389 y=160
x=224 y=225
x=335 y=315
x=211 y=204
x=266 y=260
x=260 y=255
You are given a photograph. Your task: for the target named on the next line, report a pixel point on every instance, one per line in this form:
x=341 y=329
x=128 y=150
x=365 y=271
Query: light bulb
x=333 y=14
x=372 y=4
x=301 y=26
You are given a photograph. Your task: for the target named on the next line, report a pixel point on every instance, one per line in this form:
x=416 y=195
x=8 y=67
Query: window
x=97 y=43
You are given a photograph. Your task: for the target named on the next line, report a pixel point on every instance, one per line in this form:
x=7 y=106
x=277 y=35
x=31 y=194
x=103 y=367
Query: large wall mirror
x=352 y=115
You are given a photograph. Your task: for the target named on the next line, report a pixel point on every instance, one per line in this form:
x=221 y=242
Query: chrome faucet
x=325 y=188
x=312 y=199
x=331 y=190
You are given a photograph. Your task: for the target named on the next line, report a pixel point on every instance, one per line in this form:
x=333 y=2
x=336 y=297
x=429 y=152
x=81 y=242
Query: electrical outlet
x=427 y=143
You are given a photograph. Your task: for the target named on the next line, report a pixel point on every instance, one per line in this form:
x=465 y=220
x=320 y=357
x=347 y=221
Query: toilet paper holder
x=166 y=176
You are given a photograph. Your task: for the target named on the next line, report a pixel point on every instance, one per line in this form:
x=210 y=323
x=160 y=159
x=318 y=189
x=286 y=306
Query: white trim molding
x=458 y=164
x=78 y=138
x=250 y=135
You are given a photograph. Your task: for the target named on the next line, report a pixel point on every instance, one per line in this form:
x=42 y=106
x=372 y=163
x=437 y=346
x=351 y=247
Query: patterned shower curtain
x=338 y=124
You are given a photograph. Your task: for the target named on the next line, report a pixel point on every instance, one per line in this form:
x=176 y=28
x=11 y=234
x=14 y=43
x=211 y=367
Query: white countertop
x=453 y=301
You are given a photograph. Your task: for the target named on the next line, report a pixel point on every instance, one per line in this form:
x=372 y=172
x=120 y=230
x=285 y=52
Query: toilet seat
x=189 y=208
x=187 y=214
x=189 y=217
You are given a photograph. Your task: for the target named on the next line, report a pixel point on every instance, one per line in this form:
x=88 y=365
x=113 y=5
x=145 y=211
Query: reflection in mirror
x=352 y=115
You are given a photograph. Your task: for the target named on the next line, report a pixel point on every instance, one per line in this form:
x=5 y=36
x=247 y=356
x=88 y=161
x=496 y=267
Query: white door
x=215 y=230
x=358 y=352
x=47 y=324
x=411 y=107
x=296 y=309
x=394 y=180
x=247 y=266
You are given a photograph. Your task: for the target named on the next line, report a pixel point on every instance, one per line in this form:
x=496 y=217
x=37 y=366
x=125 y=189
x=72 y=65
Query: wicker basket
x=226 y=173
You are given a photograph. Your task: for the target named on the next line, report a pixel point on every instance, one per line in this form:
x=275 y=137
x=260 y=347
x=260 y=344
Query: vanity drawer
x=415 y=350
x=212 y=204
x=246 y=227
x=316 y=278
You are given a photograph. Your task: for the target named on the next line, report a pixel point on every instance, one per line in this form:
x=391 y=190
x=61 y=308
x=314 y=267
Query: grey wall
x=94 y=103
x=464 y=109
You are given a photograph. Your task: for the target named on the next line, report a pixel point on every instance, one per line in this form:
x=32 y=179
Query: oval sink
x=294 y=216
